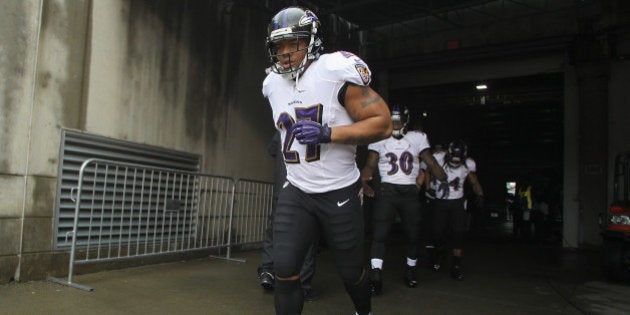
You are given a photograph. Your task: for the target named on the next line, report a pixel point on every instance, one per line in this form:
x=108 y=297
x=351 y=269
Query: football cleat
x=456 y=273
x=310 y=295
x=436 y=267
x=267 y=280
x=410 y=277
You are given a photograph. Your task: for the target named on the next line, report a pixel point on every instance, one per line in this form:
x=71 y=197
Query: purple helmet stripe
x=285 y=18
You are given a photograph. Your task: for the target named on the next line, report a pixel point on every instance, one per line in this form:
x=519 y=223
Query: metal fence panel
x=252 y=208
x=78 y=147
x=125 y=210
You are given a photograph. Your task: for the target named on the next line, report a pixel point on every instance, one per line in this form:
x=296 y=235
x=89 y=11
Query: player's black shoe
x=376 y=282
x=436 y=266
x=410 y=277
x=435 y=258
x=310 y=295
x=267 y=279
x=456 y=273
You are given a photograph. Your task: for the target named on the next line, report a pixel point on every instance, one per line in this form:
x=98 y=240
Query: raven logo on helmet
x=308 y=18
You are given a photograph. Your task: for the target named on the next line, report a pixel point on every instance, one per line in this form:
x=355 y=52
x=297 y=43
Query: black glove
x=444 y=188
x=310 y=132
x=479 y=202
x=430 y=193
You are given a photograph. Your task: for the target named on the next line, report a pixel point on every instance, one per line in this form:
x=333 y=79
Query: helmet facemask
x=454 y=161
x=400 y=119
x=295 y=39
x=457 y=154
x=293 y=24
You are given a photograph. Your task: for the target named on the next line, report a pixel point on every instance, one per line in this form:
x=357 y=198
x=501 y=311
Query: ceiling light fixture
x=481 y=87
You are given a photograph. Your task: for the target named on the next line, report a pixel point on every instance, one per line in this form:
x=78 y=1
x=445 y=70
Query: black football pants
x=389 y=199
x=299 y=218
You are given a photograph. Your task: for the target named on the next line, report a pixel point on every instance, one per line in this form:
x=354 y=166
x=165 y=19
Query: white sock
x=377 y=263
x=411 y=262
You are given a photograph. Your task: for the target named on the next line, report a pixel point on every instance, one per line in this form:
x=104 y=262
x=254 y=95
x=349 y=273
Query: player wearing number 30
x=401 y=179
x=323 y=106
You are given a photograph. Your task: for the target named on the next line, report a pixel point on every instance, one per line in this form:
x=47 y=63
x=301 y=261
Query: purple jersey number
x=313 y=113
x=404 y=163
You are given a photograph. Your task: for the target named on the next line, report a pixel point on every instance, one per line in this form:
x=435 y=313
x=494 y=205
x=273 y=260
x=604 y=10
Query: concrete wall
x=183 y=75
x=191 y=83
x=19 y=26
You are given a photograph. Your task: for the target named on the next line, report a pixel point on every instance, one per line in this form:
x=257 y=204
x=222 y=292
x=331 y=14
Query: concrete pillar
x=592 y=73
x=593 y=149
x=571 y=205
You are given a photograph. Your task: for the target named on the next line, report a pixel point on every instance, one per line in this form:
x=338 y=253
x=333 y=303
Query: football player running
x=398 y=158
x=449 y=212
x=323 y=107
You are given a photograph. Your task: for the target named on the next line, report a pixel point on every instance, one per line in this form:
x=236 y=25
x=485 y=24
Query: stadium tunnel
x=549 y=108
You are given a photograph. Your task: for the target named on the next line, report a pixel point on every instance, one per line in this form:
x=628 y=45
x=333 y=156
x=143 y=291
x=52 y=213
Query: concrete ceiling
x=403 y=18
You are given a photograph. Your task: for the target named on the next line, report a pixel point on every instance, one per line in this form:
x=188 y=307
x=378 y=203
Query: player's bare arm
x=420 y=179
x=371 y=117
x=432 y=165
x=474 y=183
x=367 y=173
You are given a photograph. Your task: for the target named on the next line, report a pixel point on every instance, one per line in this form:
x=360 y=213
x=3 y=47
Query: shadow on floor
x=502 y=277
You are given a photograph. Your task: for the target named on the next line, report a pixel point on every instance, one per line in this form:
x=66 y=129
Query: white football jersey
x=456 y=176
x=399 y=161
x=324 y=167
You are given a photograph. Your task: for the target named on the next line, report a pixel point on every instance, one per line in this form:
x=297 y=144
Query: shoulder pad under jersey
x=266 y=86
x=346 y=67
x=471 y=165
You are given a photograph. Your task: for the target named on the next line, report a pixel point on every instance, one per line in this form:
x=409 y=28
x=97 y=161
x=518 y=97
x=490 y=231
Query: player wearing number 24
x=323 y=107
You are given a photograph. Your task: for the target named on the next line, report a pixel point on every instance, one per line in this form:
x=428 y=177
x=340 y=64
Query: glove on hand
x=310 y=132
x=444 y=188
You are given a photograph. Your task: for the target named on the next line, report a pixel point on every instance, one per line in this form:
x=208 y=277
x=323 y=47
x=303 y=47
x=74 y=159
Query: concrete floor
x=502 y=277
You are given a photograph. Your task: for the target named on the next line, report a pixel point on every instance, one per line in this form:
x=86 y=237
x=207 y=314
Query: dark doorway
x=514 y=129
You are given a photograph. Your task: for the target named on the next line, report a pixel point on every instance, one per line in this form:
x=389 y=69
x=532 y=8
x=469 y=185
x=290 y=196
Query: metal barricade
x=125 y=210
x=252 y=208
